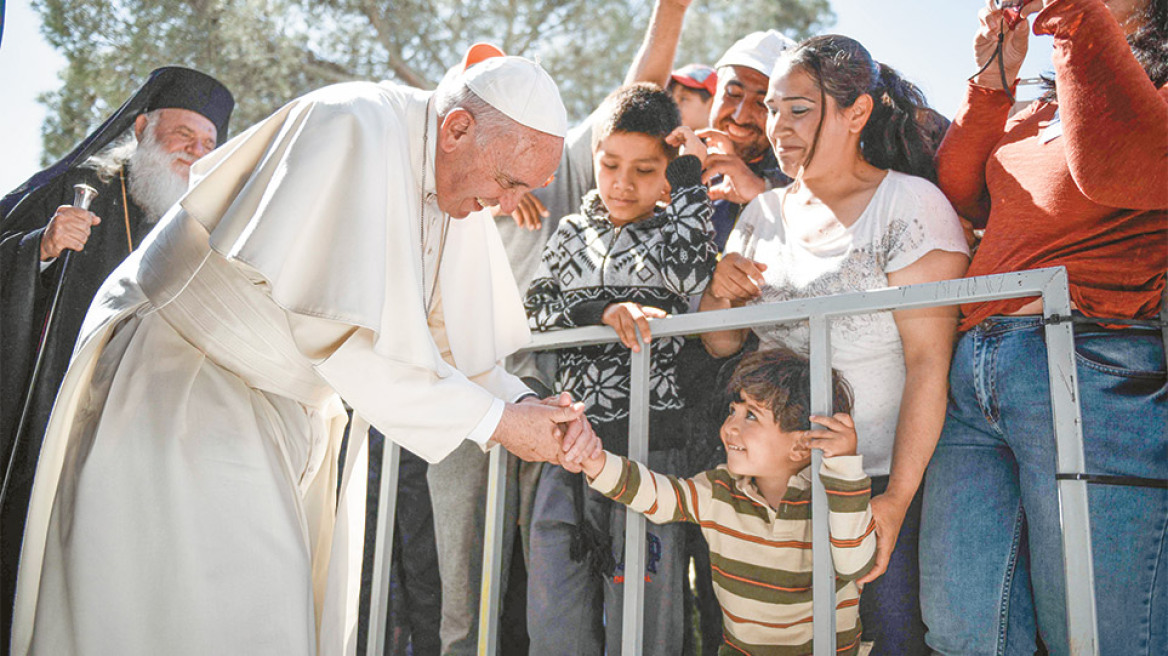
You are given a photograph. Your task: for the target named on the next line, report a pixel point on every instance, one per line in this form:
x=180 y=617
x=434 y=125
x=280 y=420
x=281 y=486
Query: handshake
x=551 y=430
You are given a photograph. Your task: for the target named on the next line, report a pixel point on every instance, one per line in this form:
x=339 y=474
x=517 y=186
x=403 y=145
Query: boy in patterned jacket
x=755 y=510
x=641 y=245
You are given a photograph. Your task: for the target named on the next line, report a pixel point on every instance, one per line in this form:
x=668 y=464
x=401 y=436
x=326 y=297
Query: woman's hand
x=625 y=318
x=991 y=23
x=737 y=279
x=888 y=512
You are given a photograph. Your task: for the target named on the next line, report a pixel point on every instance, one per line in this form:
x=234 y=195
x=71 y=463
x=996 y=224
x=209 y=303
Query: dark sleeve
x=689 y=254
x=22 y=288
x=546 y=306
x=20 y=245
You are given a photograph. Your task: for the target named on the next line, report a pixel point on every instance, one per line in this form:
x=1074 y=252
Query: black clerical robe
x=25 y=294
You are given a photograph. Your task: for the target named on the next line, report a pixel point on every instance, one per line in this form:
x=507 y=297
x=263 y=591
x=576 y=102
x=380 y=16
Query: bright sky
x=928 y=42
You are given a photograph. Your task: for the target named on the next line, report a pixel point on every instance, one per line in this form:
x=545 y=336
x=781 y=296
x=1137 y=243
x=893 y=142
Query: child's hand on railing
x=625 y=318
x=836 y=438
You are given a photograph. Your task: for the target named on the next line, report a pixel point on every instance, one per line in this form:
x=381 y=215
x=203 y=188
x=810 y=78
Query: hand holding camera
x=1000 y=45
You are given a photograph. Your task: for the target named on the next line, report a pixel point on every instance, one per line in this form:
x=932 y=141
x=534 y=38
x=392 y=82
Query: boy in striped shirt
x=755 y=511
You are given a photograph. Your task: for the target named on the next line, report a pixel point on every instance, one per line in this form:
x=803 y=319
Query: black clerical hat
x=167 y=87
x=184 y=88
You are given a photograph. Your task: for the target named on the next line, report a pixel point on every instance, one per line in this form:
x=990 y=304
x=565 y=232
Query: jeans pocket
x=1126 y=353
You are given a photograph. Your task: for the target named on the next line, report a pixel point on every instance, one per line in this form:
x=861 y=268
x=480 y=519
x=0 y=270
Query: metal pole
x=634 y=600
x=1082 y=627
x=823 y=569
x=383 y=548
x=493 y=553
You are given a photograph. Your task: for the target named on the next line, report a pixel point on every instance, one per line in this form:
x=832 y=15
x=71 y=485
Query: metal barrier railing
x=1050 y=284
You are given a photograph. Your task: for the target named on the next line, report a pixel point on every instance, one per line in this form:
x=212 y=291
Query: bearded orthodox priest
x=139 y=162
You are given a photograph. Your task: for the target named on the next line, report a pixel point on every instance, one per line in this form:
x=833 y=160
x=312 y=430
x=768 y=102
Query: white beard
x=154 y=185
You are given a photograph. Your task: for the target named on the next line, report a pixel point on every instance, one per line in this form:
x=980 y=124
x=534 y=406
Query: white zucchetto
x=522 y=90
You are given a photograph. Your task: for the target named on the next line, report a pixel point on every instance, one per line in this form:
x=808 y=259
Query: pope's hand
x=68 y=229
x=535 y=431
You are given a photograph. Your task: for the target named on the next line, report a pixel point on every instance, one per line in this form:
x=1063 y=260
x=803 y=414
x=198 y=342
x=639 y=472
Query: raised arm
x=689 y=253
x=981 y=120
x=1114 y=120
x=654 y=60
x=853 y=531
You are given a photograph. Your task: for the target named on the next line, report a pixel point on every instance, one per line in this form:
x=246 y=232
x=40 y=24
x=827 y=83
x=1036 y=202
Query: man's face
x=189 y=135
x=472 y=173
x=738 y=110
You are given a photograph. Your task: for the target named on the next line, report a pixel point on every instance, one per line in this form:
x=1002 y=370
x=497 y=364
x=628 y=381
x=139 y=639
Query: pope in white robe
x=185 y=499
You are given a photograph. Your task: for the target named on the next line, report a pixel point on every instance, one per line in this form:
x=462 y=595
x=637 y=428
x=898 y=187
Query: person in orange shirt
x=1078 y=179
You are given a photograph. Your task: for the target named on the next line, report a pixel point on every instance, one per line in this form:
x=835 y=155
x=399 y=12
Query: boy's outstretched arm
x=662 y=499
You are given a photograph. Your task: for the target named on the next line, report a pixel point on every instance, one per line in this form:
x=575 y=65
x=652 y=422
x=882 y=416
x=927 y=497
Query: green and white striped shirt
x=761 y=558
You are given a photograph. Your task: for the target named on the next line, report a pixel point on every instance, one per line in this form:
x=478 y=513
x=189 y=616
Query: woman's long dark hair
x=893 y=138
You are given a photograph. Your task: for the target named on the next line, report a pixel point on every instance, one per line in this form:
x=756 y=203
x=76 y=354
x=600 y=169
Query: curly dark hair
x=640 y=108
x=781 y=379
x=1150 y=43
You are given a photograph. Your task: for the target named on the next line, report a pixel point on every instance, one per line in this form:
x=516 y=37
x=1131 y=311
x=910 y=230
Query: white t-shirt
x=906 y=218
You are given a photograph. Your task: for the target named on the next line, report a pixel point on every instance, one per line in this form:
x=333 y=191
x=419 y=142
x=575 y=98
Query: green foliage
x=270 y=51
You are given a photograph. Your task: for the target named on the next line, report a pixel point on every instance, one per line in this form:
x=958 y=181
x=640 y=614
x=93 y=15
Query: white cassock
x=184 y=499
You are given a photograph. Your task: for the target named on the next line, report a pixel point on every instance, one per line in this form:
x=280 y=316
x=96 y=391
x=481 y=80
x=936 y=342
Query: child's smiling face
x=630 y=175
x=755 y=443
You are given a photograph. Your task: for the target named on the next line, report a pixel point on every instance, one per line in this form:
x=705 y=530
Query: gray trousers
x=458 y=491
x=573 y=612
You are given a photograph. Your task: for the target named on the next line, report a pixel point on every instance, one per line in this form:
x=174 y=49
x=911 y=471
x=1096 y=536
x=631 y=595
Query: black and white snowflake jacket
x=590 y=263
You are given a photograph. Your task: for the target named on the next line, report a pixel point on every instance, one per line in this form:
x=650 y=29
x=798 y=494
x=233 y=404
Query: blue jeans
x=991 y=547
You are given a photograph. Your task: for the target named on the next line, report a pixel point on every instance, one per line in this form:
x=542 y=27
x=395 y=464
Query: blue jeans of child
x=991 y=547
